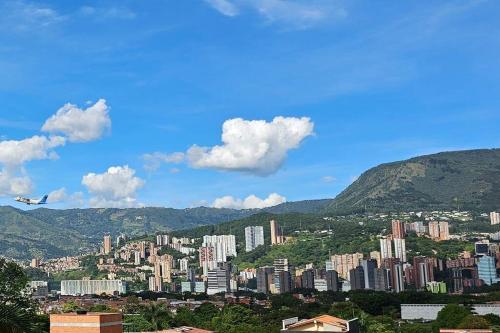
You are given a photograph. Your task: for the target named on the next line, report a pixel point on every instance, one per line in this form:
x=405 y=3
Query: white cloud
x=80 y=125
x=153 y=161
x=256 y=146
x=328 y=179
x=249 y=202
x=14 y=182
x=57 y=195
x=225 y=7
x=116 y=187
x=23 y=16
x=290 y=13
x=14 y=153
x=17 y=152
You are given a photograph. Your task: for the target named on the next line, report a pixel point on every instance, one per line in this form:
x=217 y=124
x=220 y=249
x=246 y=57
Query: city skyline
x=150 y=85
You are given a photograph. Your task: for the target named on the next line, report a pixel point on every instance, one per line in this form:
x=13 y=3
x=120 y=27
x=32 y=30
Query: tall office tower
x=308 y=279
x=357 y=278
x=35 y=263
x=398 y=230
x=142 y=249
x=265 y=278
x=377 y=256
x=276 y=233
x=343 y=263
x=166 y=263
x=381 y=279
x=191 y=274
x=207 y=258
x=385 y=247
x=394 y=269
x=494 y=218
x=285 y=282
x=332 y=280
x=137 y=258
x=183 y=264
x=487 y=270
x=92 y=287
x=107 y=244
x=155 y=283
x=400 y=249
x=254 y=236
x=434 y=229
x=444 y=233
x=280 y=265
x=162 y=240
x=369 y=267
x=224 y=245
x=424 y=271
x=218 y=281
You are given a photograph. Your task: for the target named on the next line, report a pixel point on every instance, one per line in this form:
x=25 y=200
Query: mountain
x=468 y=179
x=51 y=233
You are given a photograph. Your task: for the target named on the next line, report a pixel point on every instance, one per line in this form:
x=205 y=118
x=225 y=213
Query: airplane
x=28 y=201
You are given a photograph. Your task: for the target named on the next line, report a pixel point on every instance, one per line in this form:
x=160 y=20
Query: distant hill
x=50 y=232
x=467 y=179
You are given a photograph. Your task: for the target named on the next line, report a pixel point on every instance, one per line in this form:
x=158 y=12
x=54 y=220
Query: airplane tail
x=44 y=199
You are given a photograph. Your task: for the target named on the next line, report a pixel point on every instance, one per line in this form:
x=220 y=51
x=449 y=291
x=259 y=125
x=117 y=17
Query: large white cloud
x=17 y=152
x=249 y=202
x=14 y=153
x=116 y=187
x=253 y=146
x=80 y=125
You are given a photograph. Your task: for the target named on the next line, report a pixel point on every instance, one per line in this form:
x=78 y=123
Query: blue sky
x=355 y=83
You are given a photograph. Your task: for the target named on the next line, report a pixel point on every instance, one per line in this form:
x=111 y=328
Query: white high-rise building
x=224 y=245
x=385 y=247
x=218 y=281
x=254 y=236
x=494 y=218
x=400 y=249
x=137 y=258
x=92 y=287
x=183 y=264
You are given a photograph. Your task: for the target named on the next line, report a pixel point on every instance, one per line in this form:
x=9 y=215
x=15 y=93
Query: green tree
x=70 y=306
x=157 y=315
x=450 y=316
x=17 y=309
x=472 y=321
x=204 y=315
x=136 y=323
x=236 y=318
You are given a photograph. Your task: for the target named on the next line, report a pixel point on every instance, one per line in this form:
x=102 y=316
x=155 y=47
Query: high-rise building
x=400 y=249
x=224 y=245
x=276 y=233
x=207 y=258
x=381 y=279
x=92 y=287
x=320 y=285
x=424 y=271
x=218 y=281
x=155 y=283
x=265 y=278
x=254 y=236
x=285 y=282
x=107 y=244
x=35 y=262
x=377 y=256
x=398 y=230
x=394 y=270
x=487 y=270
x=162 y=240
x=332 y=280
x=183 y=264
x=357 y=278
x=280 y=265
x=385 y=247
x=444 y=233
x=434 y=229
x=137 y=258
x=308 y=279
x=166 y=262
x=369 y=267
x=343 y=263
x=494 y=218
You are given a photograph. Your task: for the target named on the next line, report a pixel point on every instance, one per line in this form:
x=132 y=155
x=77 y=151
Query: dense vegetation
x=465 y=179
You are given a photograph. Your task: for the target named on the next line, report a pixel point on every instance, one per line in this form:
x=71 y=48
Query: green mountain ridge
x=465 y=179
